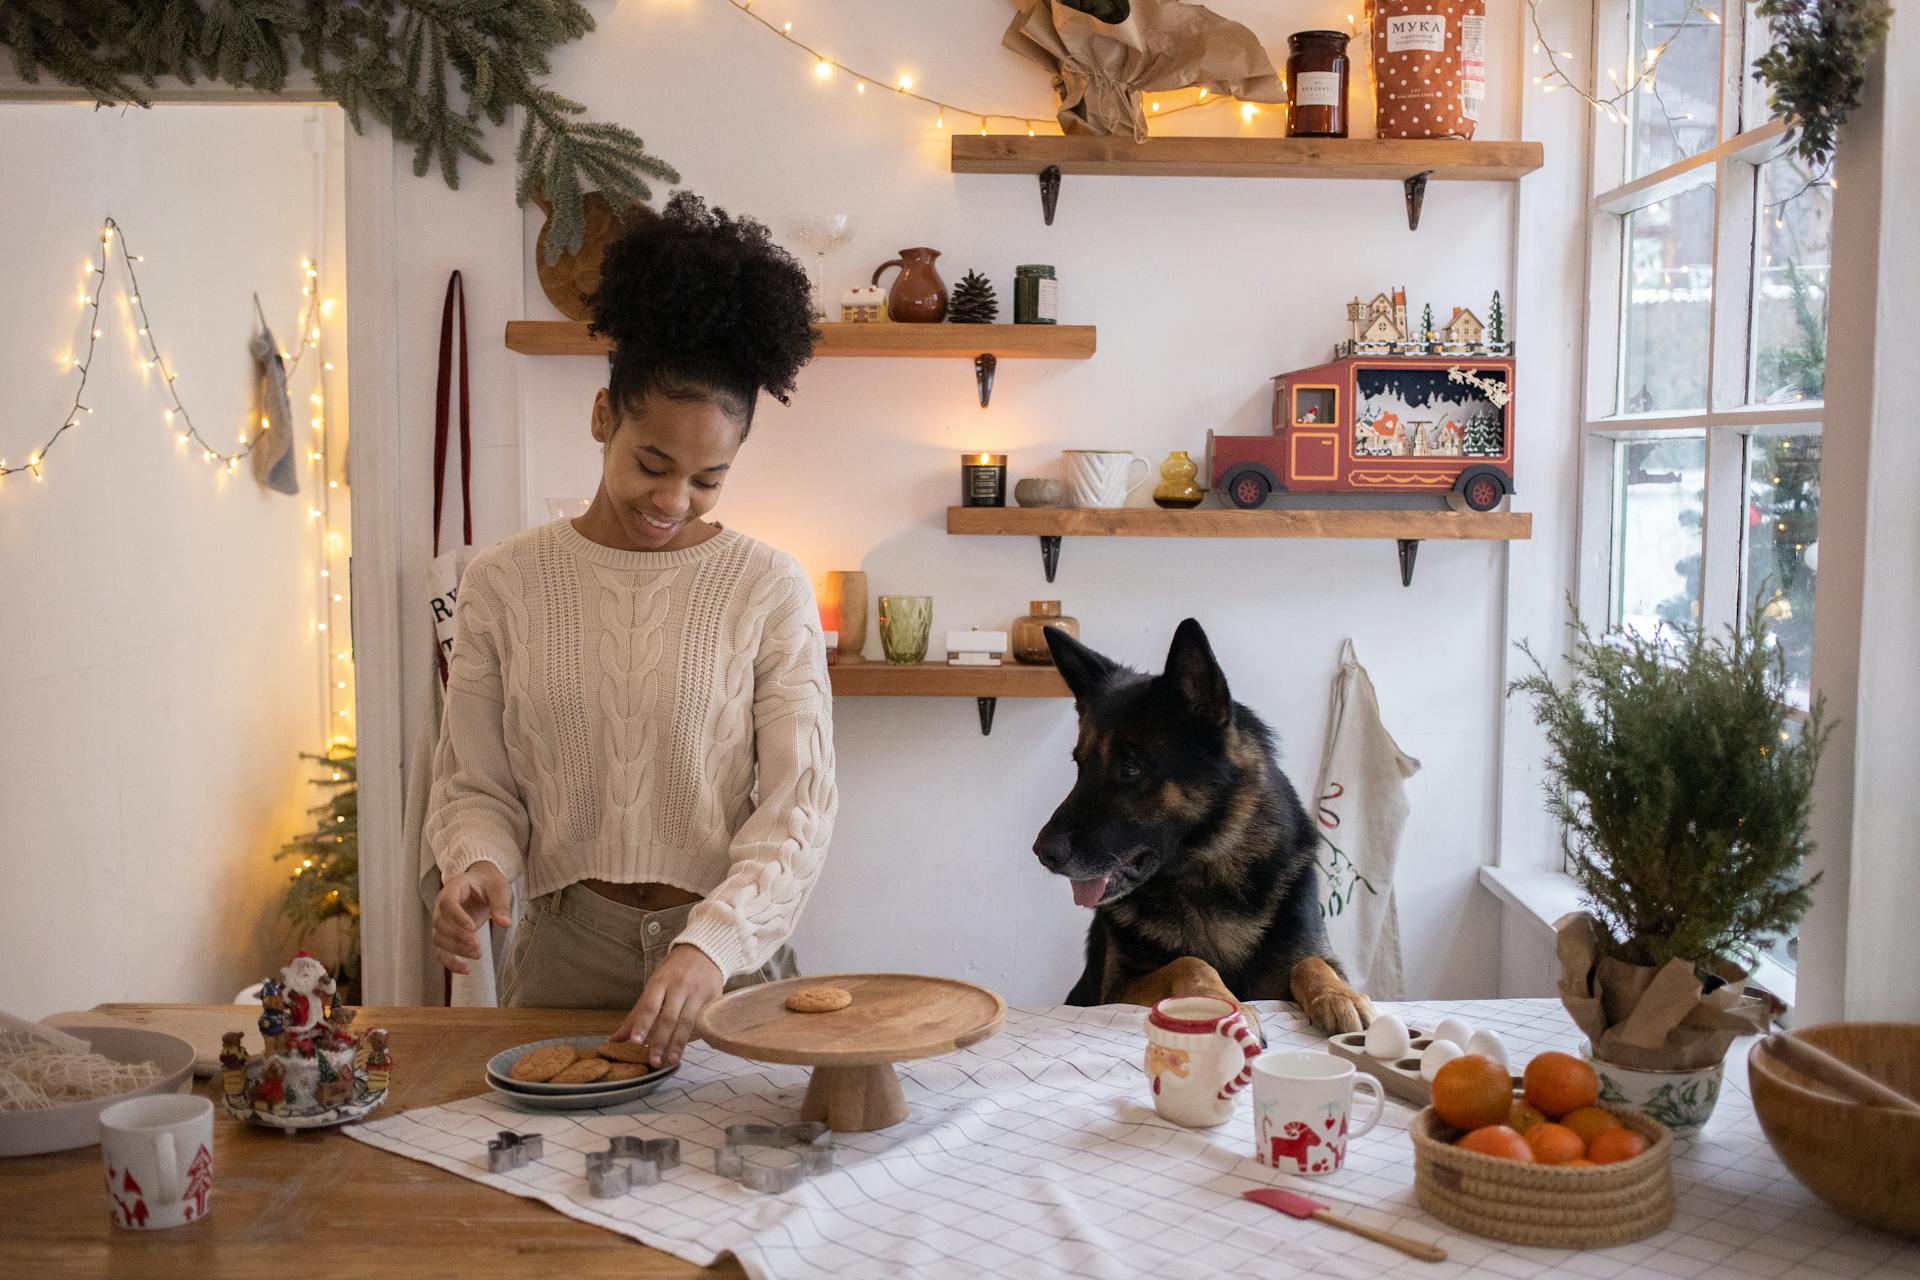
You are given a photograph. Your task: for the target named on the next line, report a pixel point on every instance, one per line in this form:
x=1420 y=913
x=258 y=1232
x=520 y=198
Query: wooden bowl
x=1862 y=1160
x=1542 y=1204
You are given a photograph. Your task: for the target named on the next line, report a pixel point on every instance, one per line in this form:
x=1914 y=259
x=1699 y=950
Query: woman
x=638 y=718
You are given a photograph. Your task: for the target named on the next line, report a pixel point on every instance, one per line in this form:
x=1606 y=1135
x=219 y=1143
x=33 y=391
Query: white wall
x=1201 y=289
x=158 y=669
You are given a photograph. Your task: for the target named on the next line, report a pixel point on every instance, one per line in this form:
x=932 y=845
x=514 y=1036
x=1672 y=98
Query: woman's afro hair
x=701 y=304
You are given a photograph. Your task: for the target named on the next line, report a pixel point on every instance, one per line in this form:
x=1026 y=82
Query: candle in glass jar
x=983 y=479
x=1317 y=84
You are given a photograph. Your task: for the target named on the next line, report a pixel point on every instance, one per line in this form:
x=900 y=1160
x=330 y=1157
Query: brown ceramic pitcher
x=918 y=295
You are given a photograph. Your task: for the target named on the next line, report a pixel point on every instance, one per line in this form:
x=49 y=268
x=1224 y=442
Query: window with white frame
x=1706 y=340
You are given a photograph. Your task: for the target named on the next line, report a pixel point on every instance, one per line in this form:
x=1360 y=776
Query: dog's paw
x=1339 y=1009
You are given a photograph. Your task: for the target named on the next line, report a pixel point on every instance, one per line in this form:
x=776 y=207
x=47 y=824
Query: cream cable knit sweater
x=605 y=713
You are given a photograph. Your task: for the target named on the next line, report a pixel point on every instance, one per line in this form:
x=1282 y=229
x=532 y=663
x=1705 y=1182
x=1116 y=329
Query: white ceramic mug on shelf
x=1102 y=477
x=1198 y=1054
x=159 y=1156
x=1303 y=1110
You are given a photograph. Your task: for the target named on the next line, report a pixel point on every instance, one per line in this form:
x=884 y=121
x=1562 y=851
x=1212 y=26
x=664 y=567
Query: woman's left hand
x=663 y=1018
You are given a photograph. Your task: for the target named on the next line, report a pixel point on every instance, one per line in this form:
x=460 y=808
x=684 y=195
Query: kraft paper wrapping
x=1100 y=69
x=1646 y=1018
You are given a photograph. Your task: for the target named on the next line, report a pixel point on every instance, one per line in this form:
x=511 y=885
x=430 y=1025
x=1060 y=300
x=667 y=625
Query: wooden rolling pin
x=1829 y=1070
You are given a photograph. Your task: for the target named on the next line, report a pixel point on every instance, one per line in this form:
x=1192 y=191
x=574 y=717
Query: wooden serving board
x=199 y=1025
x=894 y=1017
x=1398 y=1076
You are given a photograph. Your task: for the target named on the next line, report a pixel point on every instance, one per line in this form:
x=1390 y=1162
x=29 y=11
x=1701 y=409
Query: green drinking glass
x=905 y=622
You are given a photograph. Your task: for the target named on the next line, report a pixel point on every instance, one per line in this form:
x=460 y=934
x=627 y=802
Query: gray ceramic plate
x=500 y=1066
x=77 y=1124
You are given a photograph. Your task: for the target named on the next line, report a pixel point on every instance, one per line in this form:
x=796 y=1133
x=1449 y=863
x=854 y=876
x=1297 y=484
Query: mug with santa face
x=1303 y=1110
x=1199 y=1055
x=159 y=1156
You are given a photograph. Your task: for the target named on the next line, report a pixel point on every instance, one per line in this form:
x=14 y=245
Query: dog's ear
x=1085 y=671
x=1195 y=677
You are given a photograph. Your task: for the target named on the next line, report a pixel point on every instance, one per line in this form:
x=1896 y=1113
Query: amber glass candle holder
x=983 y=479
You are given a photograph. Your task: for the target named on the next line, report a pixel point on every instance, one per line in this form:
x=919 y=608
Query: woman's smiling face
x=663 y=467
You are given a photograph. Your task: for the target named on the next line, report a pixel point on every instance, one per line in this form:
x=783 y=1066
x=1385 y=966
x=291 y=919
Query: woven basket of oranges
x=1546 y=1166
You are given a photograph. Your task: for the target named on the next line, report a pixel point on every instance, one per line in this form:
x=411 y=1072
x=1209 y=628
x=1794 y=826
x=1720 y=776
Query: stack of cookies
x=564 y=1064
x=574 y=1072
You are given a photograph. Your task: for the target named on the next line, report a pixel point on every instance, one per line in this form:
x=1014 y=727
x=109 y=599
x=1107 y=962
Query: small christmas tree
x=1496 y=323
x=1426 y=327
x=1483 y=435
x=973 y=301
x=325 y=884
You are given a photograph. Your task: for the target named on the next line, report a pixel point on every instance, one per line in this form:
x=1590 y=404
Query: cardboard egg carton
x=1400 y=1076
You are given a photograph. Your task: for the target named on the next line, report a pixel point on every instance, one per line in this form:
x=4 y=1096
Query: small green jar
x=1036 y=294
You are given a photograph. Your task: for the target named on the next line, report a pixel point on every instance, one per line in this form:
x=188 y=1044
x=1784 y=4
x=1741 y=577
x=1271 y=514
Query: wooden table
x=293 y=1205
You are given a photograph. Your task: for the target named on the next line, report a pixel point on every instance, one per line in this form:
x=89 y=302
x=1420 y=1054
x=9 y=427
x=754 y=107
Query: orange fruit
x=1472 y=1092
x=1554 y=1143
x=1588 y=1121
x=1559 y=1082
x=1497 y=1140
x=1611 y=1146
x=1523 y=1115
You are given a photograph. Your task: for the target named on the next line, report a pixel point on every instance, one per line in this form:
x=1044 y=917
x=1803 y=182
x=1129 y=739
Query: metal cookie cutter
x=809 y=1143
x=628 y=1163
x=512 y=1151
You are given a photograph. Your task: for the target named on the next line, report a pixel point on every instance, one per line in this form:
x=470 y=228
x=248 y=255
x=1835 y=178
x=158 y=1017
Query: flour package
x=1429 y=66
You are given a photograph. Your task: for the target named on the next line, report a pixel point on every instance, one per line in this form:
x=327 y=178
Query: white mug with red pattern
x=159 y=1156
x=1303 y=1110
x=1199 y=1054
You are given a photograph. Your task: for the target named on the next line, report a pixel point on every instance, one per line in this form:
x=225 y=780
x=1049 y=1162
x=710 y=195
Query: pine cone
x=973 y=301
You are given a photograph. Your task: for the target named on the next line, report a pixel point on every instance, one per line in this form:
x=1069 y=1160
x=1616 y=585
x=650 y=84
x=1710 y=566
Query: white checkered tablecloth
x=1037 y=1153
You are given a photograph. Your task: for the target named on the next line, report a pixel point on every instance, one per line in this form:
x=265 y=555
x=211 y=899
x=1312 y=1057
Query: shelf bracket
x=987 y=706
x=1049 y=191
x=983 y=366
x=1050 y=553
x=1409 y=548
x=1416 y=188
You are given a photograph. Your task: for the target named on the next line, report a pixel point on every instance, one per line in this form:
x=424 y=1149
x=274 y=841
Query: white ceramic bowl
x=77 y=1124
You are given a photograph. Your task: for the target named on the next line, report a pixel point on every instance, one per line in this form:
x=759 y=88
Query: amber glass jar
x=1317 y=84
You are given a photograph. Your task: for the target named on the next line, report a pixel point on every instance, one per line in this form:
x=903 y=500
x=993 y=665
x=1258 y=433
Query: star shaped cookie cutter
x=630 y=1162
x=512 y=1151
x=809 y=1142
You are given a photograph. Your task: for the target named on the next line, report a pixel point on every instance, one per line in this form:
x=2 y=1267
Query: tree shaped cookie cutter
x=630 y=1162
x=512 y=1151
x=808 y=1141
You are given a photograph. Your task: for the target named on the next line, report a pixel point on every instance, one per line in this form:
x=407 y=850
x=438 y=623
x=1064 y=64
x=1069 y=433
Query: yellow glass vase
x=1177 y=489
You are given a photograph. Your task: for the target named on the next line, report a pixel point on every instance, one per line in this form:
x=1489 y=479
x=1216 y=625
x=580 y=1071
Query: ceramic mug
x=1303 y=1110
x=1102 y=477
x=1200 y=1053
x=159 y=1156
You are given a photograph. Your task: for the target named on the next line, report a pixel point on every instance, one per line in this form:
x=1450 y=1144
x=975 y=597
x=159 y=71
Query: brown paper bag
x=1646 y=1018
x=1429 y=67
x=1101 y=68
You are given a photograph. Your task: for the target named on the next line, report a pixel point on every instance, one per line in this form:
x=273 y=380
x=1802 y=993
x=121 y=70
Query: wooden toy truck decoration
x=1380 y=424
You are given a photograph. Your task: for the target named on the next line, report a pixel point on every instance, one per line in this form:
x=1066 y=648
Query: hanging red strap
x=456 y=297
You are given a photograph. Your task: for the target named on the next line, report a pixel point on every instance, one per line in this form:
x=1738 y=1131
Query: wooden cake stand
x=894 y=1017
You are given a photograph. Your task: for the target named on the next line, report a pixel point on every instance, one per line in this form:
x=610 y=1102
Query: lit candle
x=983 y=479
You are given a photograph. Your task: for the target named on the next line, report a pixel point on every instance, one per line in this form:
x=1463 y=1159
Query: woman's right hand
x=469 y=899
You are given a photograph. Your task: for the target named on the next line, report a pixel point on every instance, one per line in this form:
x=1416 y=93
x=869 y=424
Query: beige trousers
x=574 y=949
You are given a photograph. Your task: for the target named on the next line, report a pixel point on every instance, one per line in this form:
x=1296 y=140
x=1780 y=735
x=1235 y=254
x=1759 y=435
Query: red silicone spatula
x=1299 y=1206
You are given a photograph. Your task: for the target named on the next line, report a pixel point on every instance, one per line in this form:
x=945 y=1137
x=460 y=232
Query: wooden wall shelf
x=1411 y=162
x=987 y=685
x=1407 y=528
x=937 y=341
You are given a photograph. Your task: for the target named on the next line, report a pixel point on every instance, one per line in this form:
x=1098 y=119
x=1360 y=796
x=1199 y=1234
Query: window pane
x=1783 y=546
x=1669 y=275
x=1659 y=491
x=1794 y=246
x=1677 y=114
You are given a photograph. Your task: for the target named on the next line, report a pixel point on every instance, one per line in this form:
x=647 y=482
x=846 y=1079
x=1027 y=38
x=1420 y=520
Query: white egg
x=1437 y=1055
x=1454 y=1029
x=1387 y=1038
x=1488 y=1044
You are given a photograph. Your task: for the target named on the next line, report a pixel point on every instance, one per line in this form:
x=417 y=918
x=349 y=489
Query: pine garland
x=325 y=885
x=1818 y=66
x=429 y=70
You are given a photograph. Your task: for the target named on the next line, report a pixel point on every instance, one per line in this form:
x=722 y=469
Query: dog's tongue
x=1087 y=893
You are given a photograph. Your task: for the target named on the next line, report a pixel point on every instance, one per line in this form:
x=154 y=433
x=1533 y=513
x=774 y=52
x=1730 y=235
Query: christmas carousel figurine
x=308 y=1076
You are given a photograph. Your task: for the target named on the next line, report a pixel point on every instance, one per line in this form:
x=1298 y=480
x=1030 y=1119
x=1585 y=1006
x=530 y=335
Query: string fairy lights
x=1629 y=79
x=827 y=69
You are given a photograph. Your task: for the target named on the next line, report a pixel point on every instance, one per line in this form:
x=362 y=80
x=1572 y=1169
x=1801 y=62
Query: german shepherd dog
x=1186 y=839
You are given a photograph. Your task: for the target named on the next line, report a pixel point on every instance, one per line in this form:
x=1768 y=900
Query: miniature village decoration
x=312 y=1071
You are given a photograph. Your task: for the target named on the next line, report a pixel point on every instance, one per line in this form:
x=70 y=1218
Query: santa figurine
x=307 y=985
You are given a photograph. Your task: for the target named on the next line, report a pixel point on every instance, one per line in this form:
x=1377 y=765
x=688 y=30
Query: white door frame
x=391 y=923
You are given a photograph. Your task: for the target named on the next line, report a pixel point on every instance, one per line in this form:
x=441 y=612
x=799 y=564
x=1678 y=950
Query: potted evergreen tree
x=1682 y=786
